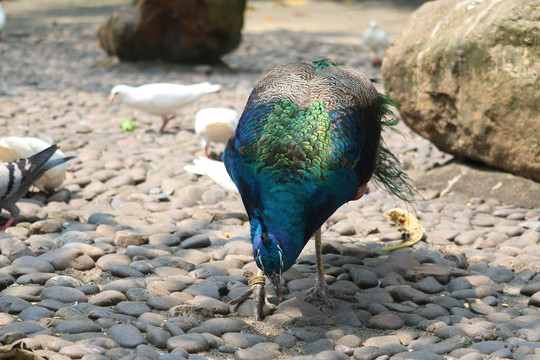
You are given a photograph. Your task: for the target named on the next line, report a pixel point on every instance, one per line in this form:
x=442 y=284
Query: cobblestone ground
x=136 y=258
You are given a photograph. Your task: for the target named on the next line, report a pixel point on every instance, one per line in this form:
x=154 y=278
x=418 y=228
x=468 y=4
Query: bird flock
x=307 y=142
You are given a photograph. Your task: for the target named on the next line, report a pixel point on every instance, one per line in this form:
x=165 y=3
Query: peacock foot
x=257 y=292
x=320 y=291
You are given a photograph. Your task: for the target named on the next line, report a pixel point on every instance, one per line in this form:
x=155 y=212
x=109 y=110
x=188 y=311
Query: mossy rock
x=465 y=75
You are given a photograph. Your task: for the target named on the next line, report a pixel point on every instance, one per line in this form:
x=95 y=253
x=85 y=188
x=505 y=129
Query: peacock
x=308 y=141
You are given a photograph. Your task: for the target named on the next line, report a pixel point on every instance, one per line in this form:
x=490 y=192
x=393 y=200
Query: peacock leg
x=259 y=296
x=320 y=290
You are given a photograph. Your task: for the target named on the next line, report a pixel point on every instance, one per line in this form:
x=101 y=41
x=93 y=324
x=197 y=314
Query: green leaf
x=128 y=124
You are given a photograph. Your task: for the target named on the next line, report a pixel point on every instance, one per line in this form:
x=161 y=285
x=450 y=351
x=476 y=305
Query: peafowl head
x=268 y=255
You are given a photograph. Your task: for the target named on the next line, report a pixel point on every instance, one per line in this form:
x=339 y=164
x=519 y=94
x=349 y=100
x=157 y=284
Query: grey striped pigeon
x=17 y=176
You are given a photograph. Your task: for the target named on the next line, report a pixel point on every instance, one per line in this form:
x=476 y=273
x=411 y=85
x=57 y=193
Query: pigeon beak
x=276 y=283
x=111 y=100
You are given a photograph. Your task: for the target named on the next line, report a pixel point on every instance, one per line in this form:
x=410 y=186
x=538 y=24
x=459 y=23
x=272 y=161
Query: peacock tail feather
x=389 y=174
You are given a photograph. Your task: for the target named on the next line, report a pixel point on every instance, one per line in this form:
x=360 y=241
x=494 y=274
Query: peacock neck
x=284 y=220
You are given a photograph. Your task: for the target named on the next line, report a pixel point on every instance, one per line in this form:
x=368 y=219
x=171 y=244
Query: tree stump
x=185 y=31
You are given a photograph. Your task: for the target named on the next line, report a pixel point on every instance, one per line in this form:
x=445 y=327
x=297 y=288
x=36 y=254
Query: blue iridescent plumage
x=307 y=142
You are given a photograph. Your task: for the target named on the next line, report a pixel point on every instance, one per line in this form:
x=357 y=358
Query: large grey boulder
x=466 y=76
x=185 y=31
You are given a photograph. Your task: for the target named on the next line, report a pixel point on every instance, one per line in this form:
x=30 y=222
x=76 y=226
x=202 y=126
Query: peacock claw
x=320 y=291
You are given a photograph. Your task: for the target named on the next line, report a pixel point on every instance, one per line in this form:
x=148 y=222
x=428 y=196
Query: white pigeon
x=14 y=147
x=2 y=20
x=161 y=99
x=215 y=170
x=377 y=40
x=17 y=176
x=215 y=125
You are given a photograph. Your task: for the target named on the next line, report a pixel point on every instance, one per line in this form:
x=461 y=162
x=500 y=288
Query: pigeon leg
x=320 y=290
x=14 y=211
x=259 y=296
x=166 y=119
x=7 y=224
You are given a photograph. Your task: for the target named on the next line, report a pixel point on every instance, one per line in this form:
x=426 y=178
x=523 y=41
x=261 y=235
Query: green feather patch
x=389 y=119
x=296 y=141
x=326 y=63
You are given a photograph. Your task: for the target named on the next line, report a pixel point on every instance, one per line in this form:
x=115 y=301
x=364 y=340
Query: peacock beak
x=276 y=283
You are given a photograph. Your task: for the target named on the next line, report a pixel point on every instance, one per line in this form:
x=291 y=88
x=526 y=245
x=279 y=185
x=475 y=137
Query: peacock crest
x=326 y=63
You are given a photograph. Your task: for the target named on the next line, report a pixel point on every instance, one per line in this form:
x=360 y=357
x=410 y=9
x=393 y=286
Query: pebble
x=318 y=346
x=405 y=293
x=363 y=278
x=535 y=299
x=196 y=242
x=157 y=337
x=216 y=306
x=368 y=353
x=254 y=354
x=35 y=313
x=347 y=318
x=417 y=355
x=126 y=335
x=78 y=326
x=106 y=262
x=241 y=340
x=219 y=326
x=488 y=347
x=63 y=294
x=388 y=321
x=107 y=298
x=332 y=355
x=12 y=304
x=431 y=311
x=24 y=327
x=428 y=285
x=192 y=343
x=125 y=238
x=286 y=341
